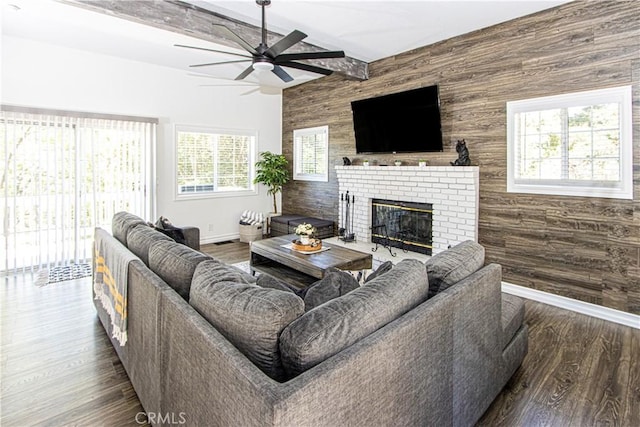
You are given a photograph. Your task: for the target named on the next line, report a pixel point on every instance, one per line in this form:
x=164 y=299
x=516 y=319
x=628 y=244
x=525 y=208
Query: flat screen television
x=404 y=122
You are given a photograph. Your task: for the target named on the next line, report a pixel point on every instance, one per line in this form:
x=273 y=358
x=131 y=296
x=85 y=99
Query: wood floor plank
x=58 y=366
x=631 y=405
x=578 y=372
x=231 y=253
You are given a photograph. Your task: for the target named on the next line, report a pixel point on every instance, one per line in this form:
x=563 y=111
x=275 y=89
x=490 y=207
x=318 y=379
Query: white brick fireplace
x=452 y=190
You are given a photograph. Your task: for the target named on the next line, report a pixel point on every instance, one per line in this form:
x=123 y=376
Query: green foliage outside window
x=577 y=143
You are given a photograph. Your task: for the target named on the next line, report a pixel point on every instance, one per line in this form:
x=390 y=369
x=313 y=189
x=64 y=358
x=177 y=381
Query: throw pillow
x=449 y=267
x=250 y=317
x=164 y=226
x=383 y=268
x=339 y=323
x=268 y=281
x=333 y=285
x=363 y=276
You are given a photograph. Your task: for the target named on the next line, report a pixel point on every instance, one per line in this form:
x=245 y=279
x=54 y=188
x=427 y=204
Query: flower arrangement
x=305 y=229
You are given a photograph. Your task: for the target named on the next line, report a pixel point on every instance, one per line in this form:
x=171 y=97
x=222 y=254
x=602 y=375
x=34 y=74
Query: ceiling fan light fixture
x=262 y=66
x=270 y=58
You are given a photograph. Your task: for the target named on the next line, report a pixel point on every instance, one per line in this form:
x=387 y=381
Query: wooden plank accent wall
x=582 y=248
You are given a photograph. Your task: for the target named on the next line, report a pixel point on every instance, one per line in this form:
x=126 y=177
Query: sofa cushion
x=140 y=238
x=512 y=316
x=449 y=267
x=122 y=223
x=249 y=316
x=337 y=324
x=175 y=264
x=333 y=285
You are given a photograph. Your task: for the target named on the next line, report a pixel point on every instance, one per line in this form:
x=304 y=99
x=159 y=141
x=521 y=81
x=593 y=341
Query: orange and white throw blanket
x=110 y=281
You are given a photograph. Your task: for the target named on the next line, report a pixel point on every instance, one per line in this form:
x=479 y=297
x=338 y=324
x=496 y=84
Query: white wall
x=47 y=76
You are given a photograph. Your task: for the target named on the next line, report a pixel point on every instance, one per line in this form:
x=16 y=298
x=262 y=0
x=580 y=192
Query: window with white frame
x=311 y=154
x=214 y=162
x=577 y=144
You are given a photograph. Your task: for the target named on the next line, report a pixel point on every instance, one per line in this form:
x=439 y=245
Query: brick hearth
x=453 y=191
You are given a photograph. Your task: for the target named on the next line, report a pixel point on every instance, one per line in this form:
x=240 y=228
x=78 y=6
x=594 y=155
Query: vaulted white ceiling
x=365 y=30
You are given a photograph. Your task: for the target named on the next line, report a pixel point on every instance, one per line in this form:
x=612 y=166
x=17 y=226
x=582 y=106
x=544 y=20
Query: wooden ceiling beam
x=185 y=18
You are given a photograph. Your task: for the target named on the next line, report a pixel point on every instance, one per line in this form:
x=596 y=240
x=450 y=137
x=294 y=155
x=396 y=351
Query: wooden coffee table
x=301 y=269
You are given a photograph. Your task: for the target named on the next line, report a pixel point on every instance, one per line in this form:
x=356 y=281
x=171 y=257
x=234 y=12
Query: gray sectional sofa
x=213 y=346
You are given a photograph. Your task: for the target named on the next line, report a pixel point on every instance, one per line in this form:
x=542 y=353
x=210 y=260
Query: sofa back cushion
x=217 y=271
x=122 y=223
x=175 y=264
x=140 y=238
x=249 y=316
x=335 y=325
x=449 y=267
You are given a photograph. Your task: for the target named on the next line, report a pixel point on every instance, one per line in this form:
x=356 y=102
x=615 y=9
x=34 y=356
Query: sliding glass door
x=64 y=174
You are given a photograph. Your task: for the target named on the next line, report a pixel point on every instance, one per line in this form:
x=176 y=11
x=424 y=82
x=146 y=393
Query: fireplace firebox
x=404 y=225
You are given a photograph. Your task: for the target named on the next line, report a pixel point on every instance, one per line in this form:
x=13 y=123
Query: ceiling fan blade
x=219 y=63
x=306 y=67
x=245 y=73
x=310 y=55
x=284 y=76
x=236 y=38
x=213 y=50
x=285 y=43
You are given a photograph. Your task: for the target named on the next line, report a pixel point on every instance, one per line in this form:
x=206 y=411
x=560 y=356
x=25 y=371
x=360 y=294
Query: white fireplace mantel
x=452 y=190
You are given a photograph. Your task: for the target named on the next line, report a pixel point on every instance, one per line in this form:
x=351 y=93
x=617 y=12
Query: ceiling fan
x=270 y=58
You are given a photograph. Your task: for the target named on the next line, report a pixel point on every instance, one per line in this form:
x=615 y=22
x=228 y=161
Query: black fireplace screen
x=404 y=225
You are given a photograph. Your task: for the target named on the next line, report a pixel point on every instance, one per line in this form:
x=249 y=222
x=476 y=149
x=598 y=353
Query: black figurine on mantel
x=463 y=154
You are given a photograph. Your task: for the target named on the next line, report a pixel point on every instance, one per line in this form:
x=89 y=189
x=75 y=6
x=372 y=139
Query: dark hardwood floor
x=228 y=252
x=580 y=371
x=58 y=367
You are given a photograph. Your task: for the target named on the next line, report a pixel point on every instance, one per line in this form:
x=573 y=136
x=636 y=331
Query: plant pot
x=305 y=240
x=422 y=164
x=398 y=163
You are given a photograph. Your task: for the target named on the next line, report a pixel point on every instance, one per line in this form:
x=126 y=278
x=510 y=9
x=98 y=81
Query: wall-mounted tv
x=404 y=122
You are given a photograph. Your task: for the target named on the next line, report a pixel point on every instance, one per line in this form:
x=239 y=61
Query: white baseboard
x=219 y=238
x=582 y=307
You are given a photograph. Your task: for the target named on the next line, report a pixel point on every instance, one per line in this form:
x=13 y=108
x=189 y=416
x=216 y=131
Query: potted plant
x=422 y=163
x=398 y=162
x=272 y=171
x=365 y=163
x=305 y=231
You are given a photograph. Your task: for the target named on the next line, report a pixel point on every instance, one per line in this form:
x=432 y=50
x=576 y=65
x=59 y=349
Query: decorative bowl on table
x=313 y=246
